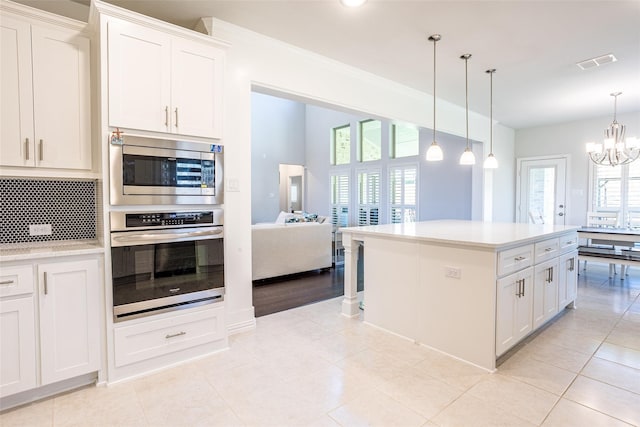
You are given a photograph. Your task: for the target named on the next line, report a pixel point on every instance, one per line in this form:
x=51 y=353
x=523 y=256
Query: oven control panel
x=163 y=219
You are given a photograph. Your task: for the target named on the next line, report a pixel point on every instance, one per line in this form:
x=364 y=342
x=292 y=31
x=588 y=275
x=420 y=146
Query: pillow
x=282 y=217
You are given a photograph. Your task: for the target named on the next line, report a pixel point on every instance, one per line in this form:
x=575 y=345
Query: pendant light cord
x=491 y=111
x=466 y=94
x=435 y=39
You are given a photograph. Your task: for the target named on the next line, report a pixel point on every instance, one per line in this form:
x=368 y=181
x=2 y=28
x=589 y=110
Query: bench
x=626 y=256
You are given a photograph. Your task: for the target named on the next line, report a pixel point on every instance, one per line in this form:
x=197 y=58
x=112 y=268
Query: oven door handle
x=137 y=238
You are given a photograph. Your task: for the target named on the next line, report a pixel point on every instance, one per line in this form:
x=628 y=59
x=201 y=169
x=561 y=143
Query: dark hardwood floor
x=283 y=293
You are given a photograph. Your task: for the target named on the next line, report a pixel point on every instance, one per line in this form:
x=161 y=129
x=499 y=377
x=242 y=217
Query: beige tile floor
x=311 y=366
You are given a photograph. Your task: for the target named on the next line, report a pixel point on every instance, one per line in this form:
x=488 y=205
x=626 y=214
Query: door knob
x=561 y=214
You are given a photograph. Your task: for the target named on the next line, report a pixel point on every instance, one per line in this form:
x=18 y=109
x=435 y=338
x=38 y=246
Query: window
x=370 y=142
x=616 y=189
x=368 y=197
x=403 y=191
x=405 y=141
x=341 y=145
x=340 y=200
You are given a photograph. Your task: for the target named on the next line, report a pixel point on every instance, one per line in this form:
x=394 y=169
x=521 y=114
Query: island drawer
x=155 y=338
x=512 y=260
x=547 y=249
x=568 y=242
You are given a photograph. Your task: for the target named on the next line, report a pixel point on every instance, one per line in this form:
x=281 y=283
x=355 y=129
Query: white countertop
x=21 y=252
x=468 y=233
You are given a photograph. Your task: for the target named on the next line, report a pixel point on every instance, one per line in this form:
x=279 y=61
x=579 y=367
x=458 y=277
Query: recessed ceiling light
x=596 y=62
x=353 y=3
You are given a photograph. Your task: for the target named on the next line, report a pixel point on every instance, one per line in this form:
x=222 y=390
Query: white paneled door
x=542 y=190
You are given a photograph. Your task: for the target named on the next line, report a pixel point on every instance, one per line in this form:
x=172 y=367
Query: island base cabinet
x=69 y=319
x=545 y=293
x=568 y=280
x=514 y=309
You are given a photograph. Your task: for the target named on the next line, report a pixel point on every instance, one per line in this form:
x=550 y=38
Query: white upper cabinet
x=16 y=94
x=45 y=96
x=62 y=107
x=139 y=77
x=163 y=83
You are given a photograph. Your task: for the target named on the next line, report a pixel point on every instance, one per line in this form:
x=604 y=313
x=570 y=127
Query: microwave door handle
x=166 y=236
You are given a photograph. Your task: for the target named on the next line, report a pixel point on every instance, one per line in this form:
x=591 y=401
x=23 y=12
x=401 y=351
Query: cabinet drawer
x=515 y=259
x=547 y=249
x=16 y=280
x=568 y=242
x=158 y=337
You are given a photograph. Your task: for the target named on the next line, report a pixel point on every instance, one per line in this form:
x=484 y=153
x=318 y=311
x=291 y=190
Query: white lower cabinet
x=545 y=292
x=69 y=319
x=17 y=345
x=65 y=326
x=514 y=309
x=152 y=338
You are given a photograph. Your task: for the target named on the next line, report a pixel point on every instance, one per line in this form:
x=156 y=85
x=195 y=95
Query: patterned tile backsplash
x=69 y=206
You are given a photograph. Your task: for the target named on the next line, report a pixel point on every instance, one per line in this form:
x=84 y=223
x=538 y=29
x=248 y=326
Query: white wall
x=570 y=138
x=277 y=136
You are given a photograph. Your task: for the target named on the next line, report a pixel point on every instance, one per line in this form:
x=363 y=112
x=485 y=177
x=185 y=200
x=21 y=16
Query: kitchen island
x=469 y=289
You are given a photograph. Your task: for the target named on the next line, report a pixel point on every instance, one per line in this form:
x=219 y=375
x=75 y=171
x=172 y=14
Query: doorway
x=542 y=190
x=291 y=188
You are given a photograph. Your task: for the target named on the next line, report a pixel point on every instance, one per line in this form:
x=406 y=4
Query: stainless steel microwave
x=146 y=171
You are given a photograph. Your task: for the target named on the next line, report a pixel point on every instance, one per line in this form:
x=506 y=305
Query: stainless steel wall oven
x=164 y=261
x=147 y=171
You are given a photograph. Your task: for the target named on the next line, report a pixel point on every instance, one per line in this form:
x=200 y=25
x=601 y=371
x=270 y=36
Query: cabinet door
x=196 y=89
x=514 y=309
x=568 y=279
x=545 y=293
x=69 y=319
x=16 y=96
x=61 y=89
x=139 y=68
x=17 y=345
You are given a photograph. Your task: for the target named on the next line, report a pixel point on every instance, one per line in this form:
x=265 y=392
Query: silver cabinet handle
x=523 y=287
x=572 y=264
x=519 y=258
x=41 y=155
x=166 y=116
x=570 y=242
x=46 y=285
x=176 y=116
x=175 y=335
x=26 y=148
x=548 y=249
x=6 y=282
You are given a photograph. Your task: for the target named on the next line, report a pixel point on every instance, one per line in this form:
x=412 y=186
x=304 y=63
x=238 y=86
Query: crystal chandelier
x=614 y=150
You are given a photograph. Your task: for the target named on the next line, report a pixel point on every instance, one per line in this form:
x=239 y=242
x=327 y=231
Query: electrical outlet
x=453 y=272
x=39 y=229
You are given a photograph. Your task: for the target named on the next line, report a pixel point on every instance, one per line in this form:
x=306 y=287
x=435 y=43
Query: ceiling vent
x=596 y=62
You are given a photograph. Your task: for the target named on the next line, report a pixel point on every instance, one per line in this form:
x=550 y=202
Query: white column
x=350 y=302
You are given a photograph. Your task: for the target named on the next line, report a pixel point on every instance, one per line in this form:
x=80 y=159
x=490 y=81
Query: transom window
x=341 y=145
x=405 y=141
x=370 y=141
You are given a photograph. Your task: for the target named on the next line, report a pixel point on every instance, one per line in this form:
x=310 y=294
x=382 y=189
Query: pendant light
x=434 y=153
x=491 y=162
x=467 y=158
